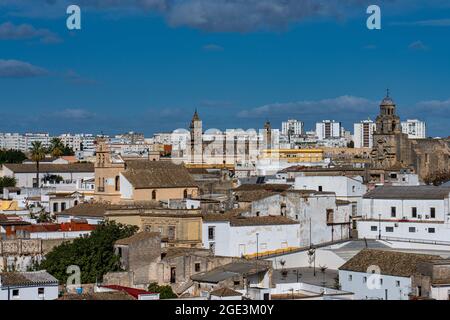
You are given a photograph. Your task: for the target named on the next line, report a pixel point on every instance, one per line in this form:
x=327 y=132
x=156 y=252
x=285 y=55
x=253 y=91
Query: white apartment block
x=72 y=141
x=292 y=127
x=415 y=129
x=12 y=141
x=406 y=213
x=363 y=134
x=43 y=138
x=328 y=129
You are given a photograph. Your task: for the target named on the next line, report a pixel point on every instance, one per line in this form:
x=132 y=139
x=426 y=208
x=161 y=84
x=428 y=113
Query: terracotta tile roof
x=50 y=168
x=27 y=278
x=135 y=293
x=236 y=219
x=408 y=192
x=393 y=263
x=86 y=210
x=230 y=270
x=12 y=220
x=140 y=236
x=157 y=174
x=226 y=216
x=261 y=221
x=253 y=195
x=225 y=292
x=265 y=186
x=114 y=295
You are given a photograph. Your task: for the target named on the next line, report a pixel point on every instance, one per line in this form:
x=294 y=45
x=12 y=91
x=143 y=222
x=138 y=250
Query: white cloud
x=74 y=114
x=10 y=31
x=19 y=69
x=418 y=46
x=326 y=106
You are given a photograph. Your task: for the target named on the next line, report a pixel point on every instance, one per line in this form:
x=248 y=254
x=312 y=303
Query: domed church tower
x=391 y=147
x=387 y=121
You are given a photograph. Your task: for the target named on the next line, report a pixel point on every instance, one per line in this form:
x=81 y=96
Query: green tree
x=94 y=254
x=7 y=182
x=165 y=292
x=12 y=156
x=37 y=155
x=58 y=149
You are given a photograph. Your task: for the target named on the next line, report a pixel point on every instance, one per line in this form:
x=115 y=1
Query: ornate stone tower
x=196 y=139
x=391 y=147
x=107 y=174
x=268 y=135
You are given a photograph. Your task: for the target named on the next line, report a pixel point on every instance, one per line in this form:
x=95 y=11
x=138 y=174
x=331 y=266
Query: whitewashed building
x=321 y=217
x=363 y=134
x=292 y=127
x=346 y=188
x=381 y=275
x=415 y=129
x=25 y=174
x=406 y=213
x=38 y=285
x=236 y=236
x=328 y=129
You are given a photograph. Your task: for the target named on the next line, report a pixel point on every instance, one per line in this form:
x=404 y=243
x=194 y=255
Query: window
x=330 y=216
x=197 y=267
x=211 y=233
x=320 y=188
x=41 y=292
x=381 y=282
x=431 y=230
x=236 y=283
x=389 y=229
x=397 y=283
x=212 y=247
x=364 y=279
x=432 y=213
x=154 y=195
x=117 y=183
x=63 y=206
x=173 y=275
x=373 y=228
x=414 y=212
x=15 y=293
x=185 y=193
x=350 y=278
x=412 y=229
x=393 y=212
x=171 y=233
x=55 y=207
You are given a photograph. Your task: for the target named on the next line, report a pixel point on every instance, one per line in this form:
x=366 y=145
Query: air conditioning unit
x=419 y=216
x=396 y=225
x=427 y=217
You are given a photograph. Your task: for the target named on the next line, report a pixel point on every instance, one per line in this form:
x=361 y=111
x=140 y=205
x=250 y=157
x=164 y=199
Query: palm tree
x=56 y=147
x=37 y=155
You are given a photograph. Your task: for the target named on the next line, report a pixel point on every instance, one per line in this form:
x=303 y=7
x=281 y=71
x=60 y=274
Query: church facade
x=394 y=151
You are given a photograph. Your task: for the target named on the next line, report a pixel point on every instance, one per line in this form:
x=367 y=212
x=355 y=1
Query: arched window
x=117 y=183
x=185 y=193
x=154 y=195
x=75 y=202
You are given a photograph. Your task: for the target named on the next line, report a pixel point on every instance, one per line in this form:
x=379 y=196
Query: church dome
x=387 y=101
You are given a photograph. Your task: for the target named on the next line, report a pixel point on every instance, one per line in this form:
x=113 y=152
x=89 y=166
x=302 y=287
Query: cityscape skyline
x=311 y=66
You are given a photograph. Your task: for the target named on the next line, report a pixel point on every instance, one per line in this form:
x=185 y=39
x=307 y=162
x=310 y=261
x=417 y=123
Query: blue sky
x=145 y=65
